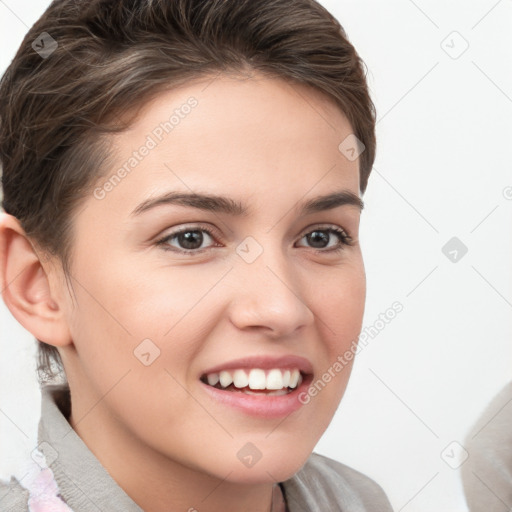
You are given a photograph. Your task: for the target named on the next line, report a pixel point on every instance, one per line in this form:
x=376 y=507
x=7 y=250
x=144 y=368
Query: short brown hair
x=110 y=56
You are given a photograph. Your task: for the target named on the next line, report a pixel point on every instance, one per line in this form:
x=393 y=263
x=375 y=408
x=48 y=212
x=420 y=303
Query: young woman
x=182 y=188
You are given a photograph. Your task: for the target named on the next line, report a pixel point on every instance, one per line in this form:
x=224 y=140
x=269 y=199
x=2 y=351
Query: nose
x=269 y=295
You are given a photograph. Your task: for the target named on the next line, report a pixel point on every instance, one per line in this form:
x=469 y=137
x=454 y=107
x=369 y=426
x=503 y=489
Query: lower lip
x=262 y=406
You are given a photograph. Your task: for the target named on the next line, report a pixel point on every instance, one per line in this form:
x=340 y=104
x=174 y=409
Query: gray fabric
x=321 y=485
x=487 y=473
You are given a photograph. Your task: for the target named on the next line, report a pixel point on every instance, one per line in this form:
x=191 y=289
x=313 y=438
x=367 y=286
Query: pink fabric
x=43 y=489
x=44 y=494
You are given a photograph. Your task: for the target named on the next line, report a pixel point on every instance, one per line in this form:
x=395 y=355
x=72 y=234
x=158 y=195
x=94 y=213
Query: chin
x=269 y=469
x=268 y=473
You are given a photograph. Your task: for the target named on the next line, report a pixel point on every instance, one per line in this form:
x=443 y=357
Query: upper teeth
x=256 y=378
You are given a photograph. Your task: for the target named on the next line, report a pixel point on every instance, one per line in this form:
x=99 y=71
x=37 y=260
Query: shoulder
x=323 y=481
x=491 y=435
x=13 y=496
x=487 y=472
x=496 y=416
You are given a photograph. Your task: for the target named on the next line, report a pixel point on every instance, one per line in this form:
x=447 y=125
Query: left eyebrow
x=330 y=201
x=227 y=205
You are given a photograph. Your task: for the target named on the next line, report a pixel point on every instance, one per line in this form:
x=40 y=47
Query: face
x=176 y=296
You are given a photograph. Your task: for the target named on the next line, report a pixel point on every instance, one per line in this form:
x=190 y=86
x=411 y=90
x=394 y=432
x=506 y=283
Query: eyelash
x=345 y=240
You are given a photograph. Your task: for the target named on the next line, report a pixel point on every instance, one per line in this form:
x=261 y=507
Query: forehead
x=229 y=91
x=233 y=134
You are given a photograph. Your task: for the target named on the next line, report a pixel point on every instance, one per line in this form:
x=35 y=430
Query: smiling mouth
x=256 y=381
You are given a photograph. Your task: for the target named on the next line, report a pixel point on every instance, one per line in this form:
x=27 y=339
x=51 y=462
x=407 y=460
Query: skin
x=270 y=145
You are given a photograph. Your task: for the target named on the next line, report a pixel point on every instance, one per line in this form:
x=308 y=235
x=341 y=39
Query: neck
x=157 y=483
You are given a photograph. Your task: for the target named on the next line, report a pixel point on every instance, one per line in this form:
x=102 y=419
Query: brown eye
x=188 y=240
x=320 y=239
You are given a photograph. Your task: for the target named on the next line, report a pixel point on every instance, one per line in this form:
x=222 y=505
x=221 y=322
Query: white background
x=442 y=170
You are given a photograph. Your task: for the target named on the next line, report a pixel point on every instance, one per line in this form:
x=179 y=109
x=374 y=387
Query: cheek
x=340 y=309
x=120 y=307
x=339 y=306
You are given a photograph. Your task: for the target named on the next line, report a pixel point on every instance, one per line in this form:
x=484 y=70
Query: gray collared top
x=85 y=485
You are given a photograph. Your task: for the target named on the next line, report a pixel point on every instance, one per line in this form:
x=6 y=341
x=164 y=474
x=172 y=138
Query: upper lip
x=265 y=363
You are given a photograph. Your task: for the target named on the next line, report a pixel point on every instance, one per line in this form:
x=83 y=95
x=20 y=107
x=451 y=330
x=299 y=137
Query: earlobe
x=26 y=288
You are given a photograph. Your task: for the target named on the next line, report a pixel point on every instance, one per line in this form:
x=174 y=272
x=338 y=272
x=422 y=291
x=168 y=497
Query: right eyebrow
x=205 y=202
